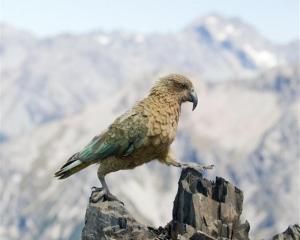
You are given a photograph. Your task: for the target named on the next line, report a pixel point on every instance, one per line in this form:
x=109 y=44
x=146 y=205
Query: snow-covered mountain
x=57 y=93
x=46 y=79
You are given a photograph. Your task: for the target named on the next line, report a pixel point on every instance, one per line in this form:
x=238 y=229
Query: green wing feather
x=122 y=138
x=99 y=148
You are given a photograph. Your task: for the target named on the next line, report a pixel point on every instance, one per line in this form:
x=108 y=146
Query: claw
x=96 y=194
x=97 y=189
x=100 y=193
x=110 y=197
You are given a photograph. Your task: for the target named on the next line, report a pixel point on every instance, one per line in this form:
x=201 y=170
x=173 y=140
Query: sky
x=278 y=20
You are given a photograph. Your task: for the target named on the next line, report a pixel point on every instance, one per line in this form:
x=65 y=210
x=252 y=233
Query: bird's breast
x=162 y=114
x=163 y=127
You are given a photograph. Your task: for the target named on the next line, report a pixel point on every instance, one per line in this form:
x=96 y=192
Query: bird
x=140 y=135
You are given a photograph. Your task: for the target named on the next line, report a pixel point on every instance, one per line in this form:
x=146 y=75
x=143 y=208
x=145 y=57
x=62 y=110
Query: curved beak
x=193 y=99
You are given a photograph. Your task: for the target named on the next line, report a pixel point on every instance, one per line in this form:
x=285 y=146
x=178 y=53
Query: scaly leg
x=169 y=160
x=107 y=195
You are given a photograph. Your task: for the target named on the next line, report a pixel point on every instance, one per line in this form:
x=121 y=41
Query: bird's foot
x=110 y=197
x=100 y=193
x=96 y=194
x=196 y=166
x=97 y=189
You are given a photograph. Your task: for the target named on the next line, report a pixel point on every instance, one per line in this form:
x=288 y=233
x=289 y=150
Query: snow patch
x=262 y=58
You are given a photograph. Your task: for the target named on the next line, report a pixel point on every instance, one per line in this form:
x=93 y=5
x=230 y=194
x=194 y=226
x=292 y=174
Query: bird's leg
x=169 y=160
x=107 y=195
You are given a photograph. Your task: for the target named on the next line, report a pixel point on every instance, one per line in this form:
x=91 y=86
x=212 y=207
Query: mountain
x=50 y=78
x=57 y=93
x=291 y=51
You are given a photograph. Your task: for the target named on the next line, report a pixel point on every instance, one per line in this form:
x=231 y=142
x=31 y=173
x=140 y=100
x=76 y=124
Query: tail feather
x=73 y=165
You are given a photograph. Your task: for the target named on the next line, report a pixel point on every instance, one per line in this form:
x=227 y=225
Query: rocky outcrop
x=111 y=220
x=203 y=210
x=292 y=233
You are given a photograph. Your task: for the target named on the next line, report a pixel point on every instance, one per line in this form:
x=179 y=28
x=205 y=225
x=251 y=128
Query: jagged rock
x=203 y=210
x=205 y=207
x=111 y=220
x=292 y=233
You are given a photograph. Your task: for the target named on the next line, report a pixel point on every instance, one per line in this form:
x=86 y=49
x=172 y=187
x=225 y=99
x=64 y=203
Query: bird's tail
x=73 y=165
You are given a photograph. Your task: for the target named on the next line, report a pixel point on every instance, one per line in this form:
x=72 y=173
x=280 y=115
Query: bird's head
x=178 y=86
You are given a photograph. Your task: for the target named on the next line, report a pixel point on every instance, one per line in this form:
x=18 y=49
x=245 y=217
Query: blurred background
x=68 y=68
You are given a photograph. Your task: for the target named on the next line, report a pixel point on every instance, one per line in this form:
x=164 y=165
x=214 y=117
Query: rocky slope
x=202 y=210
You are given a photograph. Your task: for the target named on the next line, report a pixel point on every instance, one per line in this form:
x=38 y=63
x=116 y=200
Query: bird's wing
x=122 y=138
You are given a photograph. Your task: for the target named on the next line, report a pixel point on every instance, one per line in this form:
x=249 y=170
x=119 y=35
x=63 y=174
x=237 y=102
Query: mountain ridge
x=40 y=90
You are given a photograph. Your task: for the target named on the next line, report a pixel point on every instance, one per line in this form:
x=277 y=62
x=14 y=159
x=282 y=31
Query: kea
x=140 y=135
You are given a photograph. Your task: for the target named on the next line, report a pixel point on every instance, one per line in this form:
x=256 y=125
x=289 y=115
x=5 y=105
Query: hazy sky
x=278 y=20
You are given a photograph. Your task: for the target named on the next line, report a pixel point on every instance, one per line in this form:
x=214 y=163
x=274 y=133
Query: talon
x=100 y=193
x=110 y=197
x=96 y=196
x=97 y=189
x=106 y=193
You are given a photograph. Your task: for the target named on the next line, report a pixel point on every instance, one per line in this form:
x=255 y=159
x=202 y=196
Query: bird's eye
x=182 y=85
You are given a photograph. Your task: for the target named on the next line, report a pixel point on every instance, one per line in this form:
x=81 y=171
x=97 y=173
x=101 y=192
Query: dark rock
x=292 y=233
x=111 y=220
x=203 y=210
x=213 y=208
